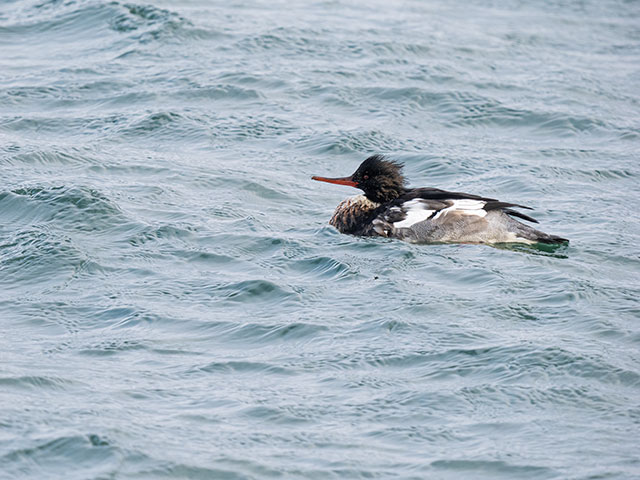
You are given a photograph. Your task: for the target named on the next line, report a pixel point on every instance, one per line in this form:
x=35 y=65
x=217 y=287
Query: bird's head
x=380 y=179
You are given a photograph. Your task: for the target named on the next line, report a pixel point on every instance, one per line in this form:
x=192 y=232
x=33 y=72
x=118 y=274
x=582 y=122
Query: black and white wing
x=436 y=214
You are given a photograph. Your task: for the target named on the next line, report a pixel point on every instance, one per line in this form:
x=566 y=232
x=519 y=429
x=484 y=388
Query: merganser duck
x=426 y=215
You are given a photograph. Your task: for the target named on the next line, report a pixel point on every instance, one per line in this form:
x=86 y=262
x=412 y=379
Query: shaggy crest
x=380 y=179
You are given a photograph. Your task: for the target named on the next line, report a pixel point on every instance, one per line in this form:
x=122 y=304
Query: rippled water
x=173 y=303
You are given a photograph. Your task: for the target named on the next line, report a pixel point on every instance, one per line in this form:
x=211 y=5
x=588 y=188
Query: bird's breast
x=354 y=215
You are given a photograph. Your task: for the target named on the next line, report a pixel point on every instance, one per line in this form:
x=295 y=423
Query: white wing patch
x=416 y=212
x=465 y=206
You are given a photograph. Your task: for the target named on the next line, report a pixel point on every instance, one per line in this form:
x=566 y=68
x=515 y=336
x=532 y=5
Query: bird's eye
x=366 y=177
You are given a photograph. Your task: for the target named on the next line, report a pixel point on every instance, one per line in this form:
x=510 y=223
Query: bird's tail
x=540 y=237
x=553 y=239
x=531 y=234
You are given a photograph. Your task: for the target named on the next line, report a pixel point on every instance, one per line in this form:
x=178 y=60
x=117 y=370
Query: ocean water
x=174 y=305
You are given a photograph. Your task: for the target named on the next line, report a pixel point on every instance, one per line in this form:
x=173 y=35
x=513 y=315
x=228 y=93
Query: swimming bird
x=426 y=215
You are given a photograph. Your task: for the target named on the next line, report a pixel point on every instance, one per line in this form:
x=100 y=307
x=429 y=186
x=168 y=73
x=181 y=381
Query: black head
x=379 y=178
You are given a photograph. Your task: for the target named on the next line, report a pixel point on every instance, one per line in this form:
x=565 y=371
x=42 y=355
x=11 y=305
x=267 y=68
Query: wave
x=95 y=20
x=75 y=208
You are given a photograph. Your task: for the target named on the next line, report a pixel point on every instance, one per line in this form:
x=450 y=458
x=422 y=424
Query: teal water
x=174 y=305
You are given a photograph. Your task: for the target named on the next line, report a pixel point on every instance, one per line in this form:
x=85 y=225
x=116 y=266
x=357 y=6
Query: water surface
x=174 y=305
